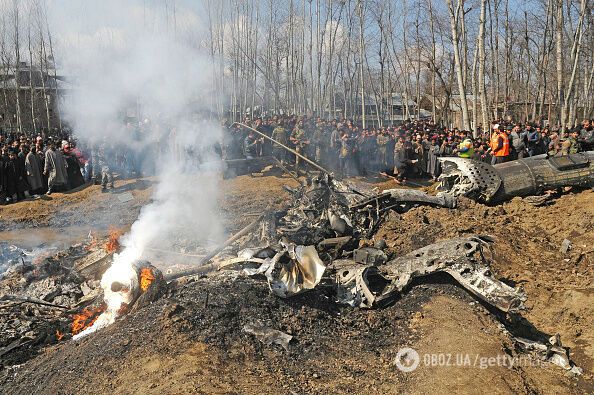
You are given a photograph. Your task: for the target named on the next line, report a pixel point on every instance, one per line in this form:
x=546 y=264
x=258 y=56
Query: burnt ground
x=192 y=340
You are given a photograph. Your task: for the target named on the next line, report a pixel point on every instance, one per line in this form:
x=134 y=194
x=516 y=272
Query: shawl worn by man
x=74 y=175
x=55 y=168
x=33 y=168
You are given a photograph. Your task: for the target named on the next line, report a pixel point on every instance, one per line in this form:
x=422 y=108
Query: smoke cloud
x=159 y=81
x=126 y=74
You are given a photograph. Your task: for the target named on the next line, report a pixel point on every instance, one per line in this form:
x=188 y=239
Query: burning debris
x=113 y=242
x=123 y=286
x=84 y=320
x=47 y=297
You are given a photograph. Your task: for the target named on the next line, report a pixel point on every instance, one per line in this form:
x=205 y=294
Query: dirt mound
x=252 y=195
x=527 y=253
x=84 y=205
x=193 y=340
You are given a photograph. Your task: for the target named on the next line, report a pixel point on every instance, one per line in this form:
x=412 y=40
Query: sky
x=81 y=25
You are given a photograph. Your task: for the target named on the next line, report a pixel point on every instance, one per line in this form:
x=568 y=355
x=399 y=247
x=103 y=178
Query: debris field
x=320 y=298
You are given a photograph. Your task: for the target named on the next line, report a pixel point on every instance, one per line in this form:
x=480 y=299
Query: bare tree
x=455 y=15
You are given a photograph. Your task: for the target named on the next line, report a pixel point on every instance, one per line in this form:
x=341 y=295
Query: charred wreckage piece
x=369 y=280
x=327 y=208
x=316 y=242
x=523 y=177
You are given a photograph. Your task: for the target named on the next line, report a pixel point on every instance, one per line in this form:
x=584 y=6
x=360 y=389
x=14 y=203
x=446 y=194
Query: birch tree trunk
x=481 y=72
x=559 y=46
x=454 y=16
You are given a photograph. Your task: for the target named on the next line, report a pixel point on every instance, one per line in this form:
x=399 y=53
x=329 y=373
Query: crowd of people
x=407 y=150
x=33 y=165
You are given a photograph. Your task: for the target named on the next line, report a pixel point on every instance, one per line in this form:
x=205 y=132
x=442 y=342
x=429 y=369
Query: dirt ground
x=192 y=340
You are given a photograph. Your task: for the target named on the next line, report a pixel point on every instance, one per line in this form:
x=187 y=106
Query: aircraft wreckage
x=326 y=234
x=523 y=177
x=319 y=237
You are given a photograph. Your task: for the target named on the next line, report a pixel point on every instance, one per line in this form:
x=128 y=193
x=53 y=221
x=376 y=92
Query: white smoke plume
x=165 y=82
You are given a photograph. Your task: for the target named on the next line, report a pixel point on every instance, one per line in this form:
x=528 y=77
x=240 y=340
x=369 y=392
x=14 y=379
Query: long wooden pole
x=311 y=162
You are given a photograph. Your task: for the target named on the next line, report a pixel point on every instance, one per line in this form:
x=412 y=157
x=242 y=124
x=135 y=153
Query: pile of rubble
x=326 y=238
x=43 y=291
x=35 y=292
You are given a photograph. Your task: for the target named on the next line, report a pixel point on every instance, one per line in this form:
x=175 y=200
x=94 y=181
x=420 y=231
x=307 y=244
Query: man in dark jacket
x=16 y=176
x=250 y=146
x=586 y=136
x=533 y=137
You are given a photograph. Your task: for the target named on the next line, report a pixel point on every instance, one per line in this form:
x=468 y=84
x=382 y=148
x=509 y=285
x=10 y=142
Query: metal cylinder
x=532 y=176
x=522 y=177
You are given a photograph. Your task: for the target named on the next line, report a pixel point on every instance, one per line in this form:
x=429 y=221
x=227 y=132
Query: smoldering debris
x=335 y=224
x=37 y=300
x=58 y=296
x=12 y=256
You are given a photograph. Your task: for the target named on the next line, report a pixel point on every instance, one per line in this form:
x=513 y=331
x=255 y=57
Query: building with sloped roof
x=39 y=92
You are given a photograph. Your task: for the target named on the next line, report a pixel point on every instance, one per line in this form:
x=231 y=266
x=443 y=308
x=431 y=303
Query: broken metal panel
x=552 y=351
x=463 y=258
x=292 y=270
x=522 y=177
x=369 y=256
x=465 y=177
x=359 y=286
x=303 y=272
x=414 y=196
x=267 y=335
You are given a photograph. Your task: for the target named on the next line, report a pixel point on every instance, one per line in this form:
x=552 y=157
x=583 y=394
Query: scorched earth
x=193 y=338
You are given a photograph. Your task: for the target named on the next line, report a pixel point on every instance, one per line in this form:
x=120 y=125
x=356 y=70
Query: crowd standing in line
x=407 y=150
x=32 y=165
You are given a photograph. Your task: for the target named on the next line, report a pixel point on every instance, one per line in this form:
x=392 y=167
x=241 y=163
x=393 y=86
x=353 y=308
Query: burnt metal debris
x=325 y=237
x=522 y=177
x=325 y=223
x=463 y=258
x=326 y=208
x=267 y=335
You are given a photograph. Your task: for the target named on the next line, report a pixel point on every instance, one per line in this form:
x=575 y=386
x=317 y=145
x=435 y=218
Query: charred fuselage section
x=522 y=177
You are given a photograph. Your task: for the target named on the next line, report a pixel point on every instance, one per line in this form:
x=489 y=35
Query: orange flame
x=85 y=319
x=113 y=244
x=59 y=335
x=146 y=278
